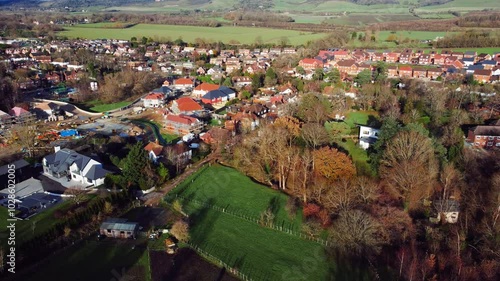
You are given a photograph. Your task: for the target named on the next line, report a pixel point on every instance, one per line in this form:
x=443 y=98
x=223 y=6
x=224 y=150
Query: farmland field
x=260 y=252
x=92 y=260
x=190 y=33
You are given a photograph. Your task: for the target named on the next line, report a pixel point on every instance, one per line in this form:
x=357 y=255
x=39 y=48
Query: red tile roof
x=183 y=119
x=183 y=81
x=405 y=68
x=187 y=104
x=154 y=96
x=206 y=87
x=156 y=148
x=311 y=61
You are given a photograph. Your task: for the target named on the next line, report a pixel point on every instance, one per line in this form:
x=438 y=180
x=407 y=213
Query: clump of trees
x=127 y=84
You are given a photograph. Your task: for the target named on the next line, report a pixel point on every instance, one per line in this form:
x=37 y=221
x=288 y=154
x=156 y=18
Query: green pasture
x=92 y=260
x=462 y=6
x=36 y=225
x=257 y=251
x=227 y=34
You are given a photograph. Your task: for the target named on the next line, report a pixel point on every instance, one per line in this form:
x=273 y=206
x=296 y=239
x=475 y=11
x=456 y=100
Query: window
x=490 y=143
x=491 y=138
x=498 y=144
x=74 y=176
x=366 y=132
x=476 y=144
x=108 y=230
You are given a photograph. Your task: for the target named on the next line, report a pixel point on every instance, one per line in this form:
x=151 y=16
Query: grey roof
x=162 y=90
x=96 y=172
x=21 y=163
x=25 y=188
x=369 y=140
x=447 y=205
x=120 y=225
x=221 y=92
x=488 y=62
x=60 y=162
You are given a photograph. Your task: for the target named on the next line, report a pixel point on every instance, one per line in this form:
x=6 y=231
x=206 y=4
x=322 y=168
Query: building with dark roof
x=79 y=168
x=485 y=136
x=223 y=94
x=20 y=168
x=119 y=228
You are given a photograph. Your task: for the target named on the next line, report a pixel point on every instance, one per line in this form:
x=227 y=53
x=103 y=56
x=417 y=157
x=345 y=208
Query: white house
x=154 y=100
x=79 y=168
x=449 y=209
x=367 y=136
x=154 y=151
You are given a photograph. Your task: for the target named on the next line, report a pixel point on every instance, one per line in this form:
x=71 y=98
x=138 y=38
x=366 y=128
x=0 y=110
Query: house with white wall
x=78 y=168
x=367 y=136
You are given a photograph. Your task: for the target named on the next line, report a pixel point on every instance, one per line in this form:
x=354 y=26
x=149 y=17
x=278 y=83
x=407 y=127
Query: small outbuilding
x=119 y=228
x=447 y=210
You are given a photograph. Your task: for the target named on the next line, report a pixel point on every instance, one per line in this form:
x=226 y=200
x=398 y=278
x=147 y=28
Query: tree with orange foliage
x=333 y=164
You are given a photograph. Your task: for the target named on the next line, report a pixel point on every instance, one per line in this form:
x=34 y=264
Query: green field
x=98 y=106
x=260 y=252
x=36 y=225
x=415 y=35
x=244 y=35
x=92 y=260
x=462 y=6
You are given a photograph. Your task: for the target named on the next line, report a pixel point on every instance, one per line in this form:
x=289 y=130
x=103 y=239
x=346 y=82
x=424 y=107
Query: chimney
x=156 y=141
x=57 y=148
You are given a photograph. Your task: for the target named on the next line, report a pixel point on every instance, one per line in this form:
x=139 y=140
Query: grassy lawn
x=42 y=222
x=225 y=34
x=98 y=106
x=359 y=118
x=258 y=251
x=92 y=260
x=170 y=138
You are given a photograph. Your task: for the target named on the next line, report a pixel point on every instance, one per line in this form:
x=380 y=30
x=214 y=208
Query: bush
x=310 y=209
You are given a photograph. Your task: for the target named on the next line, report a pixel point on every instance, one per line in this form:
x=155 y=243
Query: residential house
x=482 y=75
x=484 y=56
x=438 y=59
x=392 y=57
x=367 y=136
x=289 y=51
x=424 y=59
x=21 y=115
x=459 y=55
x=488 y=64
x=22 y=171
x=468 y=61
x=405 y=58
x=242 y=81
x=392 y=71
x=215 y=135
x=405 y=71
x=183 y=84
x=204 y=88
x=186 y=105
x=78 y=168
x=419 y=72
x=119 y=228
x=222 y=94
x=434 y=73
x=154 y=151
x=348 y=66
x=53 y=78
x=310 y=64
x=377 y=57
x=182 y=124
x=340 y=55
x=154 y=100
x=485 y=136
x=447 y=210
